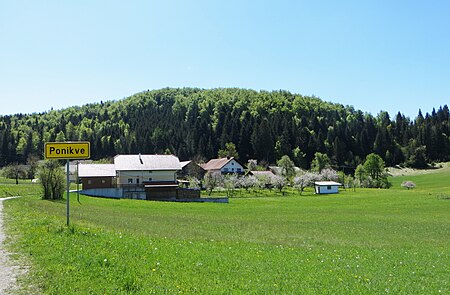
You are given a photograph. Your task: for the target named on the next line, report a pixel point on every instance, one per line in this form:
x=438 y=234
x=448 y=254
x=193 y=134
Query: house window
x=130 y=180
x=225 y=169
x=329 y=187
x=150 y=179
x=238 y=169
x=137 y=180
x=232 y=163
x=232 y=169
x=89 y=181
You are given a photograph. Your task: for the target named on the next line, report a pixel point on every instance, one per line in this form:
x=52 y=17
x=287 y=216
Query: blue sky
x=373 y=55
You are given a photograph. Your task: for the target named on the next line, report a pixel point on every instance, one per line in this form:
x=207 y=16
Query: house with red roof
x=224 y=166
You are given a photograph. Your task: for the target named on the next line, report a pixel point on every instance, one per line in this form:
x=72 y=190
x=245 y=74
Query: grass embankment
x=369 y=241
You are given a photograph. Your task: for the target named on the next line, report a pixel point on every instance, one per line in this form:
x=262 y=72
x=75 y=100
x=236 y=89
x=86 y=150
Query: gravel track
x=8 y=272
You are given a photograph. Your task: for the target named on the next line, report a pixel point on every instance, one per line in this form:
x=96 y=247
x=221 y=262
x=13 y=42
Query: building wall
x=187 y=193
x=331 y=189
x=114 y=193
x=158 y=193
x=97 y=182
x=232 y=167
x=126 y=178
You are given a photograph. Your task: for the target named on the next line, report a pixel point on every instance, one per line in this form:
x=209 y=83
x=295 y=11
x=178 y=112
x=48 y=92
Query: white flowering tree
x=230 y=182
x=247 y=182
x=279 y=182
x=306 y=179
x=213 y=180
x=329 y=174
x=408 y=184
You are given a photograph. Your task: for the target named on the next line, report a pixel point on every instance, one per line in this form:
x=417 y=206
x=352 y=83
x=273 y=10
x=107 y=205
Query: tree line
x=197 y=123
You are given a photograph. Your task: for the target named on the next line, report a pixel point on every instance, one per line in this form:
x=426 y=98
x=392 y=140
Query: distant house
x=269 y=174
x=224 y=166
x=191 y=169
x=326 y=187
x=97 y=175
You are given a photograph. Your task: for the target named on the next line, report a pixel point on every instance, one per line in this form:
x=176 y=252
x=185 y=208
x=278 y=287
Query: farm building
x=224 y=166
x=191 y=169
x=97 y=175
x=326 y=187
x=147 y=176
x=133 y=176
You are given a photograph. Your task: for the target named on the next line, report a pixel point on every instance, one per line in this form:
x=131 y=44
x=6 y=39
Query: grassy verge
x=364 y=242
x=9 y=188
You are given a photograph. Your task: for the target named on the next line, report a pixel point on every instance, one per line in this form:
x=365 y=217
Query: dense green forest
x=197 y=123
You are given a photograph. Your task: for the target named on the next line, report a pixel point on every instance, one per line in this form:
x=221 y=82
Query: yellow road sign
x=68 y=150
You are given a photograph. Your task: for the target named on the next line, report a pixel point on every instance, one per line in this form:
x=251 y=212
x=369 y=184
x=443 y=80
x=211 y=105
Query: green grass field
x=367 y=241
x=8 y=188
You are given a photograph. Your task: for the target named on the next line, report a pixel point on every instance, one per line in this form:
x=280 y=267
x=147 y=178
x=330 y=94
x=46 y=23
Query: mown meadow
x=363 y=241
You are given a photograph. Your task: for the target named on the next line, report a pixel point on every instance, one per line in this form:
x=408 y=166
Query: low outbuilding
x=94 y=176
x=326 y=187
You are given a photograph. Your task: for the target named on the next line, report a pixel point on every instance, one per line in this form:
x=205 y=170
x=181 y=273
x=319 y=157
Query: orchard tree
x=229 y=183
x=279 y=182
x=329 y=174
x=305 y=179
x=287 y=167
x=213 y=180
x=14 y=171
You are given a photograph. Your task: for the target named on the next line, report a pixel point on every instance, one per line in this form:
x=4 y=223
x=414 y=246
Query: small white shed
x=326 y=187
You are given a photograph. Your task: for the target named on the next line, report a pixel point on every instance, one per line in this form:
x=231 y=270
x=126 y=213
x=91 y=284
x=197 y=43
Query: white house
x=224 y=165
x=326 y=187
x=136 y=170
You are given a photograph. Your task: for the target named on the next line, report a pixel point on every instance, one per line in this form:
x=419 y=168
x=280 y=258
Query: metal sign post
x=67 y=151
x=68 y=193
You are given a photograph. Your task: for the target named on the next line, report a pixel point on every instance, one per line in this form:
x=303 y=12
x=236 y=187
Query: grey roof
x=146 y=162
x=263 y=173
x=96 y=170
x=323 y=183
x=184 y=163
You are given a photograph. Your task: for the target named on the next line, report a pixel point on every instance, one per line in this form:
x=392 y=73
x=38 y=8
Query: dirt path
x=8 y=272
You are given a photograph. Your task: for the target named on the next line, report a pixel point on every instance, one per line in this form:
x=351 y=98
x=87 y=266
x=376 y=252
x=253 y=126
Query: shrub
x=52 y=180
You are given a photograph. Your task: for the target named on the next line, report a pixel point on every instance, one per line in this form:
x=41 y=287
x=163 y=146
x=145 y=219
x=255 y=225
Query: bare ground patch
x=399 y=171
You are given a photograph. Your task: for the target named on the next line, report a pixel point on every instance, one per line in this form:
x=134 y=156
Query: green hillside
x=197 y=123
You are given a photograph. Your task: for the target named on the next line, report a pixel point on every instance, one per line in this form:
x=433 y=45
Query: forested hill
x=196 y=123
